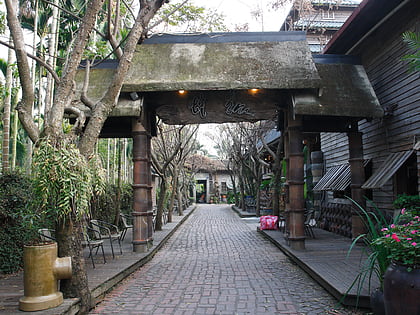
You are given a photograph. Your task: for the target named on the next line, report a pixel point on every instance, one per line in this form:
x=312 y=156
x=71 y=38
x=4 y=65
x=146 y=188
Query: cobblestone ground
x=216 y=264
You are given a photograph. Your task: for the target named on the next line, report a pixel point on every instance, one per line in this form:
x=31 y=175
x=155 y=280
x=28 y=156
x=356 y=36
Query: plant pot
x=401 y=290
x=377 y=303
x=42 y=270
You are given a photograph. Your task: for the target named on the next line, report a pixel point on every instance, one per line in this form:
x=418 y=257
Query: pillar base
x=39 y=303
x=142 y=246
x=358 y=226
x=297 y=243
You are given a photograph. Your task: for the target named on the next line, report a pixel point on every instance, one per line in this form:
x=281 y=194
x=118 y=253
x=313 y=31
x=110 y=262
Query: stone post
x=142 y=189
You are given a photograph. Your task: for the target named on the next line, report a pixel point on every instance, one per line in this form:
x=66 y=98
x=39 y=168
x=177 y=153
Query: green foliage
x=61 y=178
x=402 y=240
x=410 y=203
x=413 y=41
x=2 y=22
x=18 y=224
x=191 y=18
x=106 y=204
x=231 y=197
x=377 y=260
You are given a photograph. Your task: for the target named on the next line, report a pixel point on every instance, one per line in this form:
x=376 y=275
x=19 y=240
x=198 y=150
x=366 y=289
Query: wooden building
x=212 y=178
x=232 y=77
x=320 y=20
x=373 y=33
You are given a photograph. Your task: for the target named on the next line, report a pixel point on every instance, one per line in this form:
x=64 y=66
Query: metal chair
x=125 y=225
x=104 y=230
x=92 y=243
x=309 y=223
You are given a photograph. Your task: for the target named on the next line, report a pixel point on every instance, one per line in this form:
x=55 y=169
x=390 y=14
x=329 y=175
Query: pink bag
x=268 y=222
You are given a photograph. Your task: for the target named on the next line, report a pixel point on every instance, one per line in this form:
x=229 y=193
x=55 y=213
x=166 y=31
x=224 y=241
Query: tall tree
x=69 y=242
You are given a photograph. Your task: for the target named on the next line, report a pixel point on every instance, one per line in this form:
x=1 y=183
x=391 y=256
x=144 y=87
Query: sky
x=236 y=12
x=239 y=12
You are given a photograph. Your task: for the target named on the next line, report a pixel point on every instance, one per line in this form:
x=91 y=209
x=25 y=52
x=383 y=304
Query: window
x=405 y=179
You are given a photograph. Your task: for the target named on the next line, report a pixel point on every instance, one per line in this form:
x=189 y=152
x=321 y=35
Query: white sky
x=236 y=12
x=239 y=12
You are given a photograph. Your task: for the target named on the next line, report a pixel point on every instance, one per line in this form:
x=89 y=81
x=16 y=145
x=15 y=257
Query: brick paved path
x=216 y=264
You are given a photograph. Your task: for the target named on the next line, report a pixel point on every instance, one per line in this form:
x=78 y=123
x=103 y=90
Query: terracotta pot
x=401 y=290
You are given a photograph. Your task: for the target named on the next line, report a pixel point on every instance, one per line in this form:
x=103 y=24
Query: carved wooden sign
x=193 y=107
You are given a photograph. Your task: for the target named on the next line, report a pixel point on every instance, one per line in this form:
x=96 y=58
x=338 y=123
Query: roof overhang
x=387 y=169
x=365 y=20
x=345 y=90
x=219 y=71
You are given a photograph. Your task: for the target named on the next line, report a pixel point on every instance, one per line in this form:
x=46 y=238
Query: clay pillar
x=142 y=189
x=357 y=179
x=295 y=181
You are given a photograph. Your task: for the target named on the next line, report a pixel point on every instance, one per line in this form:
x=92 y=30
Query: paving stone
x=217 y=264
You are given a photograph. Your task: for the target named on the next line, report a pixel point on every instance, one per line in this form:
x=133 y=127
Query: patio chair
x=154 y=218
x=164 y=216
x=46 y=235
x=104 y=230
x=309 y=223
x=125 y=226
x=92 y=243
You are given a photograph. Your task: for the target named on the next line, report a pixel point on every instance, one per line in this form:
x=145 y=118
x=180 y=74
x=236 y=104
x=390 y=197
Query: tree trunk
x=160 y=205
x=6 y=112
x=118 y=196
x=277 y=170
x=14 y=139
x=180 y=204
x=69 y=237
x=173 y=192
x=258 y=192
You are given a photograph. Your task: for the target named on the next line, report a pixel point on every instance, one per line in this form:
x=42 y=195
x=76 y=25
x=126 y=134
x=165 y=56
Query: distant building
x=319 y=19
x=212 y=179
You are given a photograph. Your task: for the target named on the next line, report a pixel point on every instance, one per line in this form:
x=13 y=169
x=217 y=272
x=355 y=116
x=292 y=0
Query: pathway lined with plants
x=216 y=264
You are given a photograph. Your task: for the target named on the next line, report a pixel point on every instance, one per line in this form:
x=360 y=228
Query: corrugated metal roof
x=337 y=2
x=337 y=178
x=329 y=177
x=387 y=169
x=318 y=24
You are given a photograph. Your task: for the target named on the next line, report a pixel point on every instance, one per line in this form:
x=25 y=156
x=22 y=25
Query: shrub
x=18 y=224
x=105 y=205
x=410 y=203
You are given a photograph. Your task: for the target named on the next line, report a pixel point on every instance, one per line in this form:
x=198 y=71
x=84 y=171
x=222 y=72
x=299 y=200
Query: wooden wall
x=396 y=88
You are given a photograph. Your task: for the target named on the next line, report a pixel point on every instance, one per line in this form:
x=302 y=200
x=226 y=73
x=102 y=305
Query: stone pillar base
x=297 y=243
x=142 y=246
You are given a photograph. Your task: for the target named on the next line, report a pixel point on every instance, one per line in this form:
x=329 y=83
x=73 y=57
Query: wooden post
x=295 y=182
x=357 y=179
x=142 y=189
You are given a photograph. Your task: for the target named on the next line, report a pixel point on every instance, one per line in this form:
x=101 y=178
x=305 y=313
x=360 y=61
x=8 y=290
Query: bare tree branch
x=39 y=60
x=83 y=97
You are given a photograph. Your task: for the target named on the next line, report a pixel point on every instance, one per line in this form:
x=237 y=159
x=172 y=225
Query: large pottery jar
x=377 y=302
x=402 y=290
x=42 y=271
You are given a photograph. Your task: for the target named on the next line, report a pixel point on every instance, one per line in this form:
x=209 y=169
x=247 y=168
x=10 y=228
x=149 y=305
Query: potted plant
x=63 y=183
x=401 y=281
x=377 y=257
